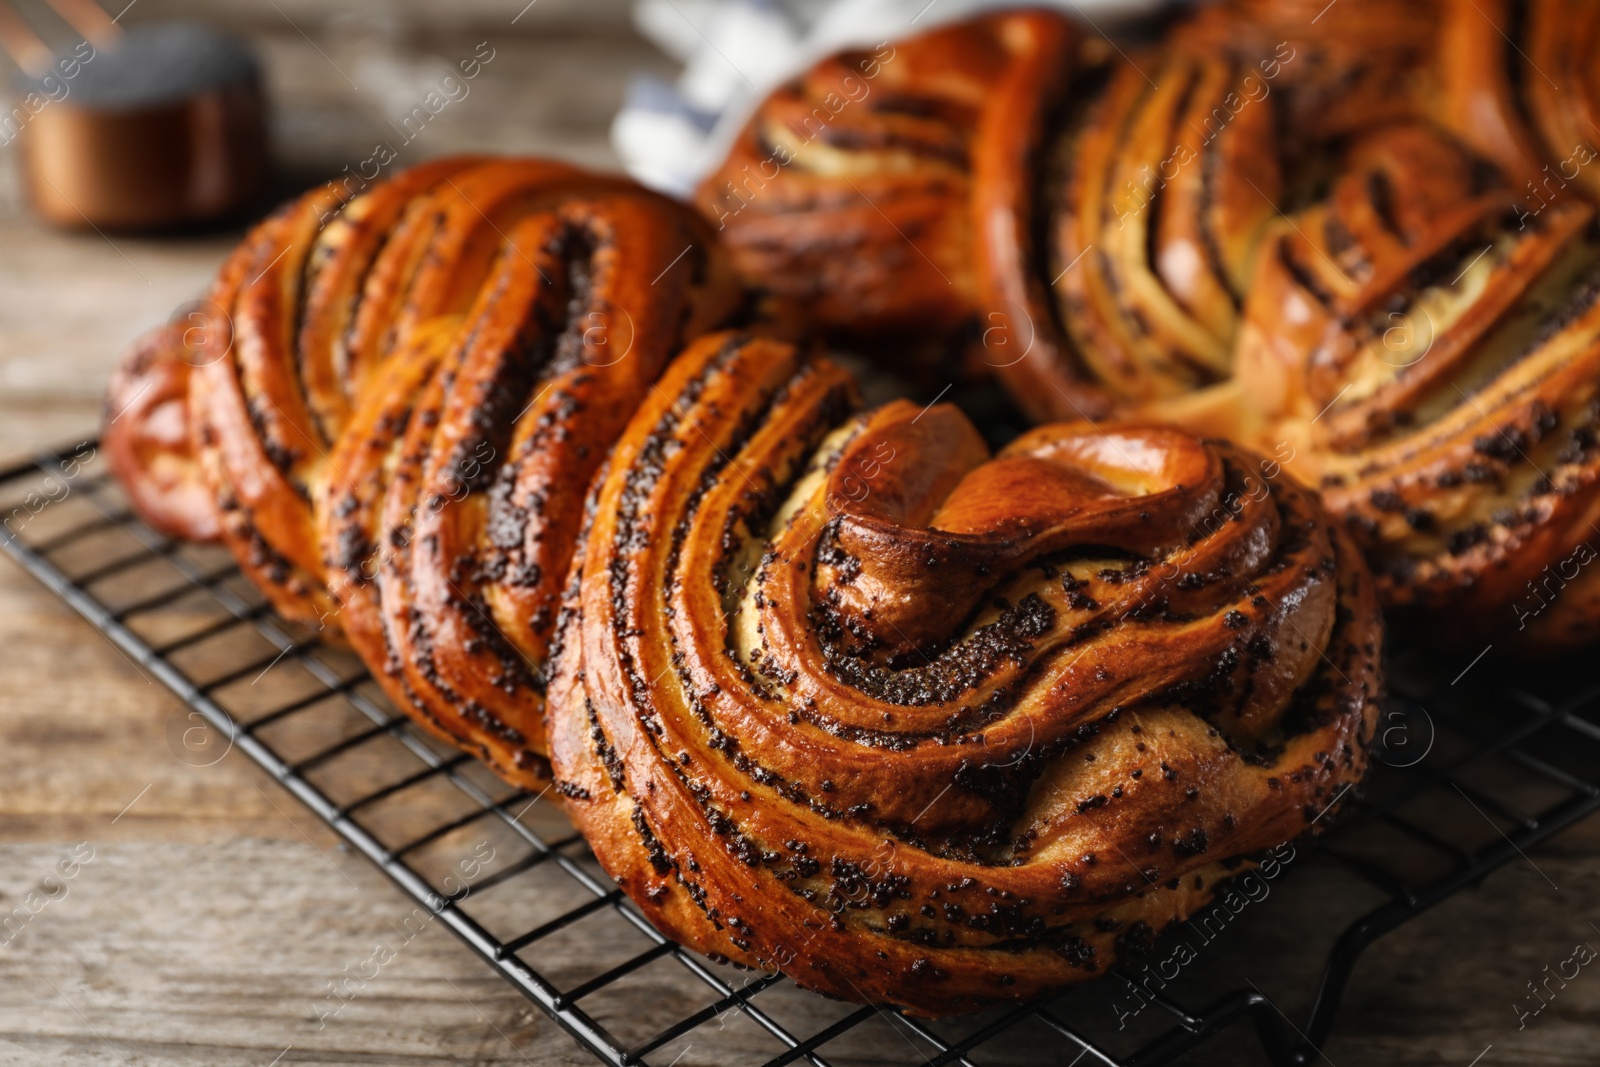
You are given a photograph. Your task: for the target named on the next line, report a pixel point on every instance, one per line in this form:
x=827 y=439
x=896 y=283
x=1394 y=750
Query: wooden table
x=215 y=908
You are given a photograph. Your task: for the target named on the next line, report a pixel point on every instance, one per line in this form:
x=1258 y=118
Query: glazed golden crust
x=1516 y=82
x=888 y=192
x=1158 y=207
x=1240 y=221
x=841 y=695
x=1432 y=351
x=1336 y=70
x=400 y=397
x=1415 y=325
x=146 y=436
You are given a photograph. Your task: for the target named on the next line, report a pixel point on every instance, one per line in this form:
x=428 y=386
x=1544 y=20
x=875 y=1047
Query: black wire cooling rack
x=1470 y=776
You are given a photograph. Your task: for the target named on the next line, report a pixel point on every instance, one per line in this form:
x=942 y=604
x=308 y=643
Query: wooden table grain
x=207 y=911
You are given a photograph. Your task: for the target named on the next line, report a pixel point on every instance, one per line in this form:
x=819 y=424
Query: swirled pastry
x=1515 y=81
x=1431 y=350
x=1242 y=221
x=1156 y=212
x=146 y=435
x=1412 y=329
x=841 y=694
x=1336 y=71
x=888 y=192
x=1162 y=186
x=397 y=401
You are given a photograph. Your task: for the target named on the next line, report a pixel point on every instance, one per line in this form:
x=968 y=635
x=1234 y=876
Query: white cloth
x=735 y=52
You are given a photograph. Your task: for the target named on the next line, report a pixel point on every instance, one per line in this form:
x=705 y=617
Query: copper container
x=190 y=161
x=153 y=156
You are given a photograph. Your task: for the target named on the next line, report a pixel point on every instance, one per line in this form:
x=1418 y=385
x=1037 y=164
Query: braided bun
x=842 y=695
x=1514 y=81
x=1356 y=234
x=400 y=398
x=1432 y=350
x=1157 y=208
x=887 y=193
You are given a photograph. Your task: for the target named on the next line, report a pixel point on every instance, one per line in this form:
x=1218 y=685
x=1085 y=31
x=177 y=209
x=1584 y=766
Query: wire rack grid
x=506 y=873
